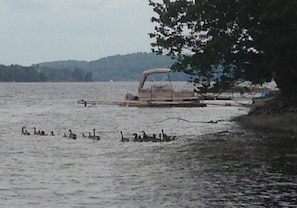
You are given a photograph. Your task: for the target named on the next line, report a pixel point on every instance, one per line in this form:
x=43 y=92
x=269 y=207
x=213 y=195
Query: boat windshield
x=150 y=77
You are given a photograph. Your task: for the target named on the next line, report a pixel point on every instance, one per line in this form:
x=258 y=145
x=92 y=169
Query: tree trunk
x=286 y=80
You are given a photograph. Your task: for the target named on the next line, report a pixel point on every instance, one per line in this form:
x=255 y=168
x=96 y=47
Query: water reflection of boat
x=155 y=96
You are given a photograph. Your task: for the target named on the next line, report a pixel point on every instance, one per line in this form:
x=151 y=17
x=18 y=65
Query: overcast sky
x=34 y=31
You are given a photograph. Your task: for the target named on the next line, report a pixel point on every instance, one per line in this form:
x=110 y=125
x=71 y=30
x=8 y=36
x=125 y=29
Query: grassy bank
x=271 y=118
x=282 y=123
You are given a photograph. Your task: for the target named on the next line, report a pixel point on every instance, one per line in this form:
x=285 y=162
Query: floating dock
x=144 y=103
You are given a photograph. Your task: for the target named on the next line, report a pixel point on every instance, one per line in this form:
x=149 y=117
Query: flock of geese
x=70 y=134
x=35 y=132
x=143 y=137
x=162 y=137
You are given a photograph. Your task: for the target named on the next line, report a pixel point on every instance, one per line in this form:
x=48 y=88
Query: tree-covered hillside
x=17 y=73
x=118 y=68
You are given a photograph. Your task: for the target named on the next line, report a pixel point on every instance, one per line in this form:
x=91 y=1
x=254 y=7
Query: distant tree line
x=127 y=67
x=66 y=75
x=17 y=73
x=117 y=68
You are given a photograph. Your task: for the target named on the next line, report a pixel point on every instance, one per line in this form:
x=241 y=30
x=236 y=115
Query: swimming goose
x=71 y=135
x=136 y=137
x=94 y=135
x=24 y=131
x=35 y=132
x=147 y=138
x=167 y=138
x=123 y=139
x=42 y=133
x=39 y=132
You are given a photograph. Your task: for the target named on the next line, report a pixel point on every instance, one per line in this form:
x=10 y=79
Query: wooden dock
x=143 y=103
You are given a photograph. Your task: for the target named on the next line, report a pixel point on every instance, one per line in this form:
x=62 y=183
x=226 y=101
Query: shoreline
x=281 y=124
x=271 y=117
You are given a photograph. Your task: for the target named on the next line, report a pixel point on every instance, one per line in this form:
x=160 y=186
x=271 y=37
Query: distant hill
x=118 y=68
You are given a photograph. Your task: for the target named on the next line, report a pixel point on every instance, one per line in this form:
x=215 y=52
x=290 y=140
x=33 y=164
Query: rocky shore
x=273 y=117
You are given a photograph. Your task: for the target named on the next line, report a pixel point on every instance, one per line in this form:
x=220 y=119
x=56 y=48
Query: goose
x=140 y=139
x=166 y=138
x=136 y=137
x=52 y=133
x=94 y=135
x=123 y=139
x=83 y=135
x=160 y=137
x=90 y=135
x=154 y=138
x=34 y=131
x=144 y=136
x=147 y=138
x=42 y=133
x=24 y=131
x=39 y=132
x=71 y=135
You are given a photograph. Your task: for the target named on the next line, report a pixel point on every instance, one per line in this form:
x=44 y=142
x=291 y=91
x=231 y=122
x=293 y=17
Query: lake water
x=209 y=165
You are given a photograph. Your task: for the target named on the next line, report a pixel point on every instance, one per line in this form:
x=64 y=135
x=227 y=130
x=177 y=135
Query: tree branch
x=182 y=119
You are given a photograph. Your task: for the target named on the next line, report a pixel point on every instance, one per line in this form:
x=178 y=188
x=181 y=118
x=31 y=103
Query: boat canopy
x=151 y=71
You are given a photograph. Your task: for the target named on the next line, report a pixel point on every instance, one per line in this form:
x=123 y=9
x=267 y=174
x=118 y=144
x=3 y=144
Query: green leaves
x=257 y=39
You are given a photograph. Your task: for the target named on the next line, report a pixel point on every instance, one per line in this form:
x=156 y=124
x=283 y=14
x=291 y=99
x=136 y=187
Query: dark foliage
x=20 y=74
x=230 y=40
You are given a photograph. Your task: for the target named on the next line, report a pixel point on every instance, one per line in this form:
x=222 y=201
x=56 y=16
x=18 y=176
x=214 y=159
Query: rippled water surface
x=209 y=165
